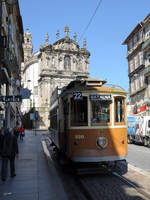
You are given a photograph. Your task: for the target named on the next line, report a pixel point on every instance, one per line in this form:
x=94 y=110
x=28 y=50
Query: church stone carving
x=58 y=64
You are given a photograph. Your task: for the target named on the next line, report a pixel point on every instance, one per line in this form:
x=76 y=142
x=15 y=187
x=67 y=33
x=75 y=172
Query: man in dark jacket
x=9 y=151
x=1 y=140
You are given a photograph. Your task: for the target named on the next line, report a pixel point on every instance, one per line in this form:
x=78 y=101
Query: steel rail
x=139 y=190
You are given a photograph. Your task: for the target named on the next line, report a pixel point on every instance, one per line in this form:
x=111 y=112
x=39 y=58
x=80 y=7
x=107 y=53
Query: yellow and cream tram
x=88 y=122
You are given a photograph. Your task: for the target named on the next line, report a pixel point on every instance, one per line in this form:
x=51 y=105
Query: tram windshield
x=79 y=112
x=100 y=112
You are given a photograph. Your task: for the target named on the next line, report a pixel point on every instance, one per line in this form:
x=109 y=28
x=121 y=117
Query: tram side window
x=100 y=112
x=53 y=119
x=119 y=109
x=79 y=112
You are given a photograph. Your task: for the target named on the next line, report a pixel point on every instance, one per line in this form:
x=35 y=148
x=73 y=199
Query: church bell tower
x=27 y=46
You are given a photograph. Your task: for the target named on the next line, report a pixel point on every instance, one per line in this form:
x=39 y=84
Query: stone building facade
x=138 y=56
x=53 y=66
x=11 y=57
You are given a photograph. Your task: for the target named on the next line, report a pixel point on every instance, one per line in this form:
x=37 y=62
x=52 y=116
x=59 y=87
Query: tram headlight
x=102 y=142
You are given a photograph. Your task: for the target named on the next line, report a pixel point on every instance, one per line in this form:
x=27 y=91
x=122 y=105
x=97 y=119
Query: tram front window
x=79 y=112
x=100 y=112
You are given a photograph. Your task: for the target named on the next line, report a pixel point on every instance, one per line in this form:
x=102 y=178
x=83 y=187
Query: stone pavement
x=37 y=179
x=140 y=180
x=34 y=180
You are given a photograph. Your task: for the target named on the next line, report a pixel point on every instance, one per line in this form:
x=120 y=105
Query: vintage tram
x=88 y=122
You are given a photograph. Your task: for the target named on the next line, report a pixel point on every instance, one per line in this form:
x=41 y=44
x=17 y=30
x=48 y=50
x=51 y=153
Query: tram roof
x=93 y=84
x=86 y=82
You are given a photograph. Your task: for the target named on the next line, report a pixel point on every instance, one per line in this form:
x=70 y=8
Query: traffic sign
x=11 y=98
x=25 y=93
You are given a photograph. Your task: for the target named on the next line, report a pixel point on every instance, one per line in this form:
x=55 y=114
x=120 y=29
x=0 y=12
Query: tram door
x=66 y=119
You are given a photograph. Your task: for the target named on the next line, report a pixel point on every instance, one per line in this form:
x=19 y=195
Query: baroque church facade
x=53 y=66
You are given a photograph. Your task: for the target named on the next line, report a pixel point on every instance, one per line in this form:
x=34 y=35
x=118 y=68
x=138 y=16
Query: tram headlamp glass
x=102 y=142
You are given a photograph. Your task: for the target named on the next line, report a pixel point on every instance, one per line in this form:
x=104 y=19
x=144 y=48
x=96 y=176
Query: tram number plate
x=100 y=97
x=77 y=95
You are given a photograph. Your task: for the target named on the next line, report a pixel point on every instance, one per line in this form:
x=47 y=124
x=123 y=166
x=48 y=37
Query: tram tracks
x=99 y=186
x=139 y=190
x=102 y=185
x=109 y=187
x=106 y=185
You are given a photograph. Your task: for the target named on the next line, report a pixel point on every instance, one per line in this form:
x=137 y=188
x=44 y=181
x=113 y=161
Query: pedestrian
x=21 y=133
x=16 y=131
x=1 y=140
x=9 y=151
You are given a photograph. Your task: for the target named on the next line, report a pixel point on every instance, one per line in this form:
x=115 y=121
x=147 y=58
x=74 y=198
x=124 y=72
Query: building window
x=132 y=85
x=136 y=61
x=135 y=40
x=67 y=62
x=131 y=65
x=130 y=45
x=141 y=79
x=140 y=35
x=141 y=61
x=137 y=82
x=148 y=35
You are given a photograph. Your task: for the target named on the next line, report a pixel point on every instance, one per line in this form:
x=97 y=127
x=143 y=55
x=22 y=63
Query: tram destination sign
x=100 y=97
x=12 y=98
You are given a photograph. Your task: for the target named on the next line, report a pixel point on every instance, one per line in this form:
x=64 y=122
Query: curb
x=141 y=171
x=57 y=182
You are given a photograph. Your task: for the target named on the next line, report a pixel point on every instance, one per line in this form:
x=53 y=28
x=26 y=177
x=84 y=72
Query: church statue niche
x=67 y=62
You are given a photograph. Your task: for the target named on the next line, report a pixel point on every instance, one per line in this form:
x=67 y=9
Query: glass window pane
x=79 y=112
x=119 y=109
x=100 y=111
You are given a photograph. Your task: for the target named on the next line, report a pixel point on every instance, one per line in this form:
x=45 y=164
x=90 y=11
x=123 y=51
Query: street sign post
x=11 y=98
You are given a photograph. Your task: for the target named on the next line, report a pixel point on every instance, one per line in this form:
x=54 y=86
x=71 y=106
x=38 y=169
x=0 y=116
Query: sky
x=112 y=23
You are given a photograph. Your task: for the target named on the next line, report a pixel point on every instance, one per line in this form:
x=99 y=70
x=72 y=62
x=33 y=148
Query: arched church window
x=67 y=62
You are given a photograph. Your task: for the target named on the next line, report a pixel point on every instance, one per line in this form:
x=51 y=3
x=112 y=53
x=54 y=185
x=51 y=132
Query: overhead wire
x=90 y=21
